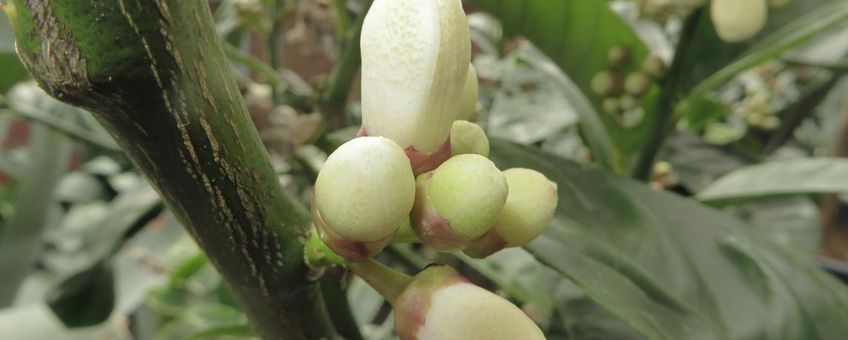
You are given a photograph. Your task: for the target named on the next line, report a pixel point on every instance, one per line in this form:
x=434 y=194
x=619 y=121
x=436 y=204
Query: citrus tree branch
x=155 y=75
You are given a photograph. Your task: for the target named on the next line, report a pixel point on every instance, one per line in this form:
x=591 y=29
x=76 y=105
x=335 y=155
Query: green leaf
x=791 y=177
x=12 y=71
x=673 y=269
x=85 y=299
x=712 y=62
x=577 y=36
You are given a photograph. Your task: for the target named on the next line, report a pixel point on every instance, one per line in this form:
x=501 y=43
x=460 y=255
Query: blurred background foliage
x=751 y=172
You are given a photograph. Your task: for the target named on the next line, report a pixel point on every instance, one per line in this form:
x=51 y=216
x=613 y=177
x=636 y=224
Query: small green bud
x=470 y=92
x=468 y=138
x=628 y=102
x=458 y=202
x=738 y=20
x=654 y=67
x=619 y=56
x=527 y=213
x=606 y=83
x=637 y=84
x=770 y=123
x=364 y=191
x=440 y=304
x=612 y=105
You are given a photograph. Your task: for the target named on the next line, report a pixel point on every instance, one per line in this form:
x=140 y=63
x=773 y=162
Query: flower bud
x=527 y=213
x=364 y=191
x=440 y=304
x=637 y=84
x=470 y=92
x=628 y=102
x=654 y=67
x=738 y=20
x=606 y=83
x=468 y=138
x=612 y=105
x=415 y=57
x=619 y=56
x=458 y=202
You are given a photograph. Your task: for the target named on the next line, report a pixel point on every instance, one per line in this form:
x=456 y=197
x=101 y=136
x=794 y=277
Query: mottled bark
x=154 y=73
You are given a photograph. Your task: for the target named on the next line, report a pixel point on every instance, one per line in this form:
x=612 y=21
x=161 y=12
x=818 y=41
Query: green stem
x=339 y=307
x=668 y=98
x=386 y=281
x=342 y=18
x=275 y=47
x=334 y=99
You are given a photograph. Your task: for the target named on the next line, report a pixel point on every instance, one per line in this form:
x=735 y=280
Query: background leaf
x=790 y=177
x=577 y=36
x=673 y=269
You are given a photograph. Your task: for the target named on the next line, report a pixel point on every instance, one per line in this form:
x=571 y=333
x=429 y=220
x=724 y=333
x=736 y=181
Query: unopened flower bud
x=738 y=20
x=363 y=193
x=619 y=56
x=458 y=202
x=415 y=57
x=612 y=105
x=654 y=67
x=628 y=102
x=470 y=92
x=606 y=83
x=527 y=213
x=468 y=138
x=440 y=304
x=637 y=84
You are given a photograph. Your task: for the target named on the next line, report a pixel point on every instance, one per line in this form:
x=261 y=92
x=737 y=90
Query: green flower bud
x=468 y=138
x=619 y=56
x=606 y=83
x=527 y=213
x=440 y=304
x=654 y=67
x=738 y=20
x=612 y=105
x=470 y=92
x=637 y=84
x=628 y=102
x=458 y=202
x=415 y=57
x=364 y=191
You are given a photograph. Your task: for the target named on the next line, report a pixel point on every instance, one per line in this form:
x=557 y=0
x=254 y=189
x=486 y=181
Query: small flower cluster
x=740 y=20
x=621 y=93
x=420 y=171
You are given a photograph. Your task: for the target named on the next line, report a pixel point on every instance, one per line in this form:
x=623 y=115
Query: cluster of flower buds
x=624 y=93
x=740 y=20
x=416 y=161
x=419 y=171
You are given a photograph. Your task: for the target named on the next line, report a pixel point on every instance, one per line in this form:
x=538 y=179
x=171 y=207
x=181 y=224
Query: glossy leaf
x=577 y=36
x=85 y=299
x=792 y=177
x=673 y=269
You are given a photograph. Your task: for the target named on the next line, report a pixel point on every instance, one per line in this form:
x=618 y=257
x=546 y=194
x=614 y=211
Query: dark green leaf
x=85 y=299
x=792 y=177
x=673 y=269
x=12 y=71
x=577 y=36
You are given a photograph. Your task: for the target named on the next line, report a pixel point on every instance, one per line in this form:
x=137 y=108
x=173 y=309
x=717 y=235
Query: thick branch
x=154 y=73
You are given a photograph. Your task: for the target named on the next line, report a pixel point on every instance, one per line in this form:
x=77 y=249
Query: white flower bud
x=738 y=20
x=468 y=138
x=415 y=57
x=363 y=193
x=441 y=305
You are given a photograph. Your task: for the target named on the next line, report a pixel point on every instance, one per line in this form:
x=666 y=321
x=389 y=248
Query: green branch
x=155 y=75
